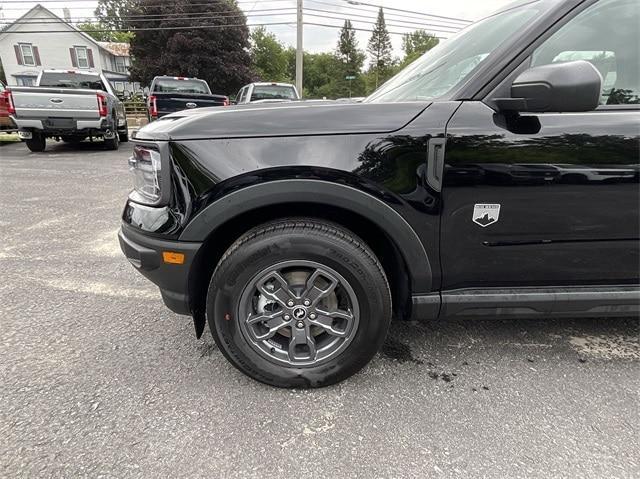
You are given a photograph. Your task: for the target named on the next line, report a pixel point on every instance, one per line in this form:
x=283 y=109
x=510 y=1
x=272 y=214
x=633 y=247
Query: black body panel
x=569 y=194
x=283 y=119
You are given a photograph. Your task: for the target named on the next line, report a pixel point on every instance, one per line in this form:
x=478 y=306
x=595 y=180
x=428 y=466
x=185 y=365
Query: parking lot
x=99 y=379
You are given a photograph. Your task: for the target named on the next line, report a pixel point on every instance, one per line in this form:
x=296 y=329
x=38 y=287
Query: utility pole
x=299 y=49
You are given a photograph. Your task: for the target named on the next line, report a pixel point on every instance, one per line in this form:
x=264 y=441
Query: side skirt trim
x=529 y=302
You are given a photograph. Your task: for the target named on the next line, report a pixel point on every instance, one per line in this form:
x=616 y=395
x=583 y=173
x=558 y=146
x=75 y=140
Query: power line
x=389 y=15
x=150 y=16
x=172 y=18
x=373 y=23
x=236 y=14
x=413 y=12
x=165 y=3
x=349 y=15
x=144 y=29
x=350 y=2
x=361 y=29
x=155 y=5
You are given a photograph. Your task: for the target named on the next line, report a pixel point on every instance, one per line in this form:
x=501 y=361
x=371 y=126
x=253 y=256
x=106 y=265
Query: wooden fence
x=136 y=111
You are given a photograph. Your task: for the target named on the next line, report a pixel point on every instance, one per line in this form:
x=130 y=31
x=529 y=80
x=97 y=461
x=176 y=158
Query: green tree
x=380 y=50
x=214 y=49
x=97 y=31
x=114 y=14
x=268 y=55
x=347 y=51
x=351 y=61
x=320 y=75
x=416 y=44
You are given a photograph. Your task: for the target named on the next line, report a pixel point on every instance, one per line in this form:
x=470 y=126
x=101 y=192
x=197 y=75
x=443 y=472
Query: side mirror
x=558 y=87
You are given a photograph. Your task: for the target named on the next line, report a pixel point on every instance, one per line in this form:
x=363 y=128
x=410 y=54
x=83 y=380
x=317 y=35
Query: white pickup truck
x=70 y=105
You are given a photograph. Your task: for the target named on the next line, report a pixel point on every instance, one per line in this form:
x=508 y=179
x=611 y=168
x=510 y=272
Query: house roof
x=40 y=9
x=119 y=49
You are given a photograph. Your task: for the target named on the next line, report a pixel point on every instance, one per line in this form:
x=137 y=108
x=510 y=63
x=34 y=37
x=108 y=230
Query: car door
x=553 y=202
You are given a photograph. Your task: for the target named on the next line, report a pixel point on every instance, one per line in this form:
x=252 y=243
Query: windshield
x=450 y=63
x=172 y=85
x=273 y=92
x=71 y=80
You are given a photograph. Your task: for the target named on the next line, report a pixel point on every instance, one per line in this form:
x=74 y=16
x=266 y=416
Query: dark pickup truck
x=495 y=177
x=171 y=94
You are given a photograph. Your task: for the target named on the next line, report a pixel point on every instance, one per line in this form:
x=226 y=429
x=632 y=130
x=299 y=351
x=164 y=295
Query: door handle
x=435 y=162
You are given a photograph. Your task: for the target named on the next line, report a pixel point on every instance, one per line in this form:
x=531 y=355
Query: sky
x=316 y=38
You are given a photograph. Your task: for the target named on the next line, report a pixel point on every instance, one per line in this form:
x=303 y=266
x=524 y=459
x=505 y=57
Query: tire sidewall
x=113 y=143
x=37 y=142
x=361 y=272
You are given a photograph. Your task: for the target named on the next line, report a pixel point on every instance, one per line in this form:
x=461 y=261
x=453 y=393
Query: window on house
x=28 y=57
x=121 y=66
x=82 y=57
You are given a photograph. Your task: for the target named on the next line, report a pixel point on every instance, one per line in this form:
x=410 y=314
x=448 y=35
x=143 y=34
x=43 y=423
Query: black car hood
x=282 y=119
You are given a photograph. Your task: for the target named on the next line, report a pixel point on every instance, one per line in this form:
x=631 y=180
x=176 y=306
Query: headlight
x=145 y=165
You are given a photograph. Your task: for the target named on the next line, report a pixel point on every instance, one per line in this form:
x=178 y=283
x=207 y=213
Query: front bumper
x=145 y=254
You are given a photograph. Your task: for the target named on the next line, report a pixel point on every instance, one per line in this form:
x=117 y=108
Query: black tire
x=37 y=142
x=112 y=143
x=294 y=240
x=124 y=135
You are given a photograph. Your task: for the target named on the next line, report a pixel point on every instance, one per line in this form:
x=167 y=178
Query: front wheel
x=299 y=303
x=37 y=142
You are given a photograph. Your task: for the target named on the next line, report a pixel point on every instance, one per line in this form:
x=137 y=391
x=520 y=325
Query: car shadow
x=597 y=338
x=60 y=146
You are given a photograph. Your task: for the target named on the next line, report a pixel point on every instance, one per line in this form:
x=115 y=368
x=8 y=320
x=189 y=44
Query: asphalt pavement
x=99 y=379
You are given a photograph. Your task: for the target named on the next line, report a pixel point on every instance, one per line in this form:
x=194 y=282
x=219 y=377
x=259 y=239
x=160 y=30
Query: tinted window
x=273 y=92
x=71 y=80
x=171 y=85
x=605 y=34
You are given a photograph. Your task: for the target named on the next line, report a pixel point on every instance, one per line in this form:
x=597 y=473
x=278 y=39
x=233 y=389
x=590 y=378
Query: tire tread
x=327 y=229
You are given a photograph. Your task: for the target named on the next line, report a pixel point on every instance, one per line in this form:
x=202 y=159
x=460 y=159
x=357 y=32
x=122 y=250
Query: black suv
x=497 y=176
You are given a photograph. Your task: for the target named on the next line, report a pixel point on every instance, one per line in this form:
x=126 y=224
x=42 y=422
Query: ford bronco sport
x=497 y=176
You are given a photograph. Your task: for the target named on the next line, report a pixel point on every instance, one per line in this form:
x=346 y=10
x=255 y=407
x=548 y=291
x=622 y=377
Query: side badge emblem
x=486 y=214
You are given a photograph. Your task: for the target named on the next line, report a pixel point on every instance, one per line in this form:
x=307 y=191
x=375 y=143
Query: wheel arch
x=391 y=238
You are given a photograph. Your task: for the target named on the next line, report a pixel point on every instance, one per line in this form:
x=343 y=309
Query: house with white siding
x=41 y=40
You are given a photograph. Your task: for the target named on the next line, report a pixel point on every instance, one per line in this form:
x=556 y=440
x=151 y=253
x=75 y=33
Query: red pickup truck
x=5 y=121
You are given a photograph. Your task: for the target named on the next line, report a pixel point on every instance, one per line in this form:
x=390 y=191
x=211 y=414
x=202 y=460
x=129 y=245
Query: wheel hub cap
x=298 y=313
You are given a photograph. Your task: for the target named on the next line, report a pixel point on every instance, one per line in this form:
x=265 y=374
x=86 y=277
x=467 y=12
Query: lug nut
x=307 y=302
x=287 y=317
x=290 y=302
x=312 y=315
x=300 y=325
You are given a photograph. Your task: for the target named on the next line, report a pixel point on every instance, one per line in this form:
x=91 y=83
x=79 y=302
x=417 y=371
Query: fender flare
x=320 y=192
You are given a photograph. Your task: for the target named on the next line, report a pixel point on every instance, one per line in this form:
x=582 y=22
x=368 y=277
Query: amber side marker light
x=172 y=257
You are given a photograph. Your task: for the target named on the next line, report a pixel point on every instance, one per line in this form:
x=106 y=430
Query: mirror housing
x=557 y=87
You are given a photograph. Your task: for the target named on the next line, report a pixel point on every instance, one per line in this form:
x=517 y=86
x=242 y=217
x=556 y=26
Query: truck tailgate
x=36 y=102
x=172 y=102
